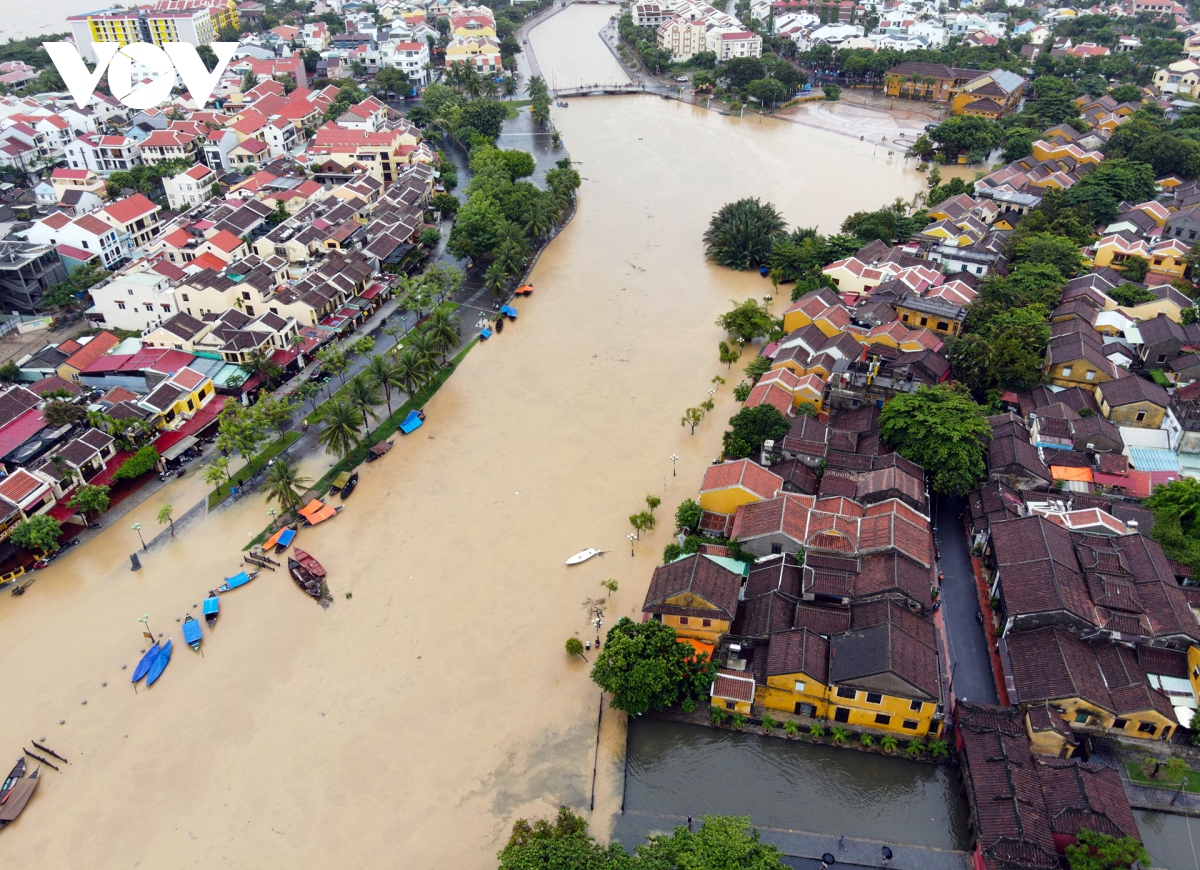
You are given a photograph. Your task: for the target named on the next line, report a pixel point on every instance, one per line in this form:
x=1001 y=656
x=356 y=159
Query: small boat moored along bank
x=11 y=780
x=160 y=664
x=309 y=575
x=19 y=797
x=143 y=666
x=241 y=578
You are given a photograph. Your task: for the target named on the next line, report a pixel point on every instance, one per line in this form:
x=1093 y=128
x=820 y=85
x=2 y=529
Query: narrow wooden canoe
x=191 y=632
x=160 y=664
x=19 y=797
x=143 y=667
x=12 y=779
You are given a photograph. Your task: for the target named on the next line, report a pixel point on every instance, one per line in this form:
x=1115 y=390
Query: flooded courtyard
x=418 y=718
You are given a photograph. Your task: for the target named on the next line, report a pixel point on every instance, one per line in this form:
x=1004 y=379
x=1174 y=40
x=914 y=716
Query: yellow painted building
x=181 y=395
x=730 y=485
x=697 y=595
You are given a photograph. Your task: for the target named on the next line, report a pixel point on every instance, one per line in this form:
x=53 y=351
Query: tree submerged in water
x=741 y=234
x=564 y=842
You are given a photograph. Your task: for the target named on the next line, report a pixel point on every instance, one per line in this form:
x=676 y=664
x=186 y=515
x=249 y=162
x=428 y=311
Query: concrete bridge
x=598 y=90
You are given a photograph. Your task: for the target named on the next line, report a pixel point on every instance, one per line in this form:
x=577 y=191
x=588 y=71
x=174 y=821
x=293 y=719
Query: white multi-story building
x=103 y=154
x=134 y=300
x=649 y=14
x=728 y=44
x=411 y=58
x=86 y=233
x=190 y=187
x=683 y=38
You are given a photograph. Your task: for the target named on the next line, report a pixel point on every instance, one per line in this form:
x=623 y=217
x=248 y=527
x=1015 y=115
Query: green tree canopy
x=967 y=133
x=750 y=427
x=89 y=500
x=747 y=321
x=1048 y=249
x=146 y=459
x=1093 y=851
x=1176 y=508
x=741 y=233
x=942 y=429
x=645 y=668
x=38 y=534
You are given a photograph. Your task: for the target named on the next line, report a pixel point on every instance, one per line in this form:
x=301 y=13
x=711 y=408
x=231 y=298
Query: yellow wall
x=1193 y=659
x=730 y=706
x=1151 y=310
x=1127 y=415
x=1049 y=743
x=1078 y=375
x=694 y=627
x=794 y=320
x=727 y=501
x=862 y=714
x=196 y=397
x=1166 y=264
x=933 y=323
x=1097 y=718
x=780 y=694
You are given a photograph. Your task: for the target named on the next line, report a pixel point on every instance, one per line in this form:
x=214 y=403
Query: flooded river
x=414 y=721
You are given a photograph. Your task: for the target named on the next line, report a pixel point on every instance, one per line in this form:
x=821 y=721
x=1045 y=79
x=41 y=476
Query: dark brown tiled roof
x=782 y=573
x=892 y=572
x=886 y=638
x=1085 y=796
x=1128 y=390
x=698 y=576
x=1012 y=451
x=1013 y=824
x=1162 y=661
x=798 y=651
x=14 y=402
x=1038 y=569
x=824 y=621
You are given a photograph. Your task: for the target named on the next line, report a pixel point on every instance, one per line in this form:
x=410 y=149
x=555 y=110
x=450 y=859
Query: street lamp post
x=137 y=527
x=674 y=459
x=145 y=620
x=632 y=537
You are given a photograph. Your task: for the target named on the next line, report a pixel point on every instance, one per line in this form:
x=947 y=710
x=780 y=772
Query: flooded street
x=417 y=719
x=677 y=770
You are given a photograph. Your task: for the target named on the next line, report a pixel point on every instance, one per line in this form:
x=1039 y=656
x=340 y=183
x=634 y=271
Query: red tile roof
x=131 y=208
x=92 y=351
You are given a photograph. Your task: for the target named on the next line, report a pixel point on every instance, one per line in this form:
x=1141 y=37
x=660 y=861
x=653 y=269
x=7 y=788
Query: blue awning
x=485 y=334
x=509 y=310
x=286 y=536
x=212 y=605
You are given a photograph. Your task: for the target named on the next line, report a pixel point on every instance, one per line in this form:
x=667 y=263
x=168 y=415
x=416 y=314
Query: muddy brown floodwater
x=411 y=724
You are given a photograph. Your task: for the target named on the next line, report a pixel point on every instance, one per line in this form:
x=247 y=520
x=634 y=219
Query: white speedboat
x=583 y=556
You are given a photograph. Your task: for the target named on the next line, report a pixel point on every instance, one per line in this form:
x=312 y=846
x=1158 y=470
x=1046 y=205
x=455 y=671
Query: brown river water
x=410 y=724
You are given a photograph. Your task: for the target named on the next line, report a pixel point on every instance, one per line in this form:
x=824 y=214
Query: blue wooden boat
x=147 y=662
x=509 y=312
x=212 y=609
x=485 y=334
x=286 y=536
x=412 y=422
x=160 y=664
x=239 y=579
x=191 y=632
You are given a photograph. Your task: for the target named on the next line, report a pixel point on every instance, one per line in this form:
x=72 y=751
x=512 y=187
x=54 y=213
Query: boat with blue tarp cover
x=509 y=312
x=241 y=578
x=412 y=422
x=212 y=609
x=191 y=632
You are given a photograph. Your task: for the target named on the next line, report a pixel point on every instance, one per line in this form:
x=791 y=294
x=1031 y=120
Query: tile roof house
x=888 y=649
x=97 y=347
x=1038 y=578
x=1133 y=401
x=1096 y=686
x=731 y=484
x=697 y=595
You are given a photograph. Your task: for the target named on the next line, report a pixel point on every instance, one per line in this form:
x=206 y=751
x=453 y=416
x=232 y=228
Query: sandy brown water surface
x=409 y=725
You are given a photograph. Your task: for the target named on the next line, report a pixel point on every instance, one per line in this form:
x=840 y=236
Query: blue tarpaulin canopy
x=211 y=605
x=509 y=311
x=285 y=537
x=485 y=334
x=411 y=423
x=241 y=578
x=191 y=631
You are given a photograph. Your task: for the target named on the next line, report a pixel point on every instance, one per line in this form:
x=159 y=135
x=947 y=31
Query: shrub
x=790 y=728
x=866 y=740
x=739 y=721
x=815 y=731
x=768 y=724
x=717 y=716
x=839 y=736
x=138 y=464
x=914 y=749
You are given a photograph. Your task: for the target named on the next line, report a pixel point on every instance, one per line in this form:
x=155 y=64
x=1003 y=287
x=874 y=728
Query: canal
x=675 y=770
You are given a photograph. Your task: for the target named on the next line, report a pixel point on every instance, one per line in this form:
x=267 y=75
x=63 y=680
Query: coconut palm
x=496 y=280
x=383 y=373
x=339 y=430
x=442 y=328
x=423 y=346
x=537 y=87
x=511 y=234
x=364 y=395
x=510 y=85
x=539 y=218
x=284 y=485
x=489 y=87
x=472 y=82
x=509 y=257
x=411 y=371
x=540 y=110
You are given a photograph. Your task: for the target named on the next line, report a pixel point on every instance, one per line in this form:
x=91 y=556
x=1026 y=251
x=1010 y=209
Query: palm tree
x=339 y=432
x=537 y=87
x=426 y=352
x=511 y=234
x=489 y=87
x=411 y=371
x=540 y=111
x=472 y=81
x=539 y=218
x=383 y=373
x=496 y=280
x=284 y=484
x=442 y=328
x=363 y=394
x=510 y=85
x=509 y=257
